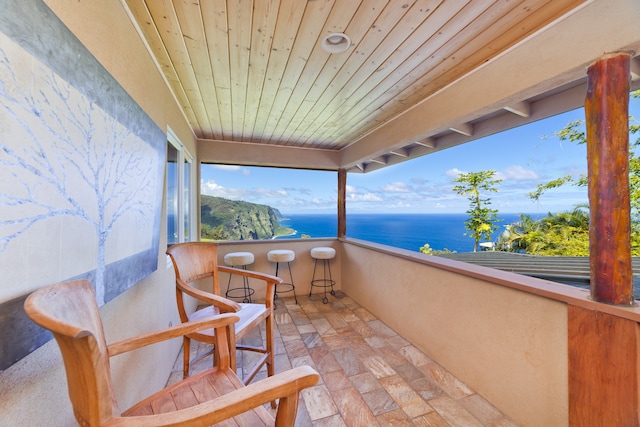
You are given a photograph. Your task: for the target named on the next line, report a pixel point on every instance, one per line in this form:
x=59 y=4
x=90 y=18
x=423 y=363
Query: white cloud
x=366 y=197
x=517 y=173
x=396 y=187
x=211 y=188
x=454 y=173
x=279 y=193
x=227 y=167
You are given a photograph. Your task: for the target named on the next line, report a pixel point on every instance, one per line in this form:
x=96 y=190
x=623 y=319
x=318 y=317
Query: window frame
x=186 y=190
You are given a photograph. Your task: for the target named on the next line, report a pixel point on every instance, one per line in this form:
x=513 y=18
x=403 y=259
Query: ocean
x=406 y=231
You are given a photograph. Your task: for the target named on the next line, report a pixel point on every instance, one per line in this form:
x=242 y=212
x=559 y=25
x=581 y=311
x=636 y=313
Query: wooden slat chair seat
x=195 y=261
x=217 y=395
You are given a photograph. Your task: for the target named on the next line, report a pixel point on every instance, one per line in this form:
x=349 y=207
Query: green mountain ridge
x=223 y=219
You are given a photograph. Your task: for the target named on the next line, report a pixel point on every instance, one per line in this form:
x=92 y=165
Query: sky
x=522 y=158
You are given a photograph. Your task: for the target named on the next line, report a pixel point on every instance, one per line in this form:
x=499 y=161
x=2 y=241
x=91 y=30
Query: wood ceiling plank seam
x=470 y=38
x=360 y=24
x=518 y=23
x=445 y=71
x=189 y=18
x=364 y=45
x=150 y=32
x=313 y=20
x=392 y=50
x=165 y=19
x=342 y=14
x=214 y=19
x=382 y=28
x=264 y=22
x=283 y=97
x=402 y=63
x=289 y=21
x=240 y=22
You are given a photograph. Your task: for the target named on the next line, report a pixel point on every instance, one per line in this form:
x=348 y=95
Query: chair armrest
x=285 y=386
x=271 y=280
x=223 y=304
x=220 y=321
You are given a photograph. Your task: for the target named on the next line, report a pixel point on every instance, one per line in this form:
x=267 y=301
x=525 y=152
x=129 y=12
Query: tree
x=209 y=233
x=565 y=233
x=482 y=221
x=574 y=132
x=428 y=250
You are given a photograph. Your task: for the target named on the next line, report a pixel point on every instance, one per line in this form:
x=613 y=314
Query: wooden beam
x=603 y=369
x=607 y=123
x=522 y=109
x=427 y=142
x=402 y=152
x=342 y=203
x=635 y=69
x=381 y=159
x=465 y=129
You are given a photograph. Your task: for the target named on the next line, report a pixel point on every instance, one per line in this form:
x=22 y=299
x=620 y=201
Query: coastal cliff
x=239 y=220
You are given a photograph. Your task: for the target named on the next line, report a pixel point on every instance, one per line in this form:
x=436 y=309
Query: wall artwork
x=81 y=172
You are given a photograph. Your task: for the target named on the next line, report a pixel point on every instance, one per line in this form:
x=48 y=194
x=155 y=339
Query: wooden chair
x=193 y=261
x=70 y=311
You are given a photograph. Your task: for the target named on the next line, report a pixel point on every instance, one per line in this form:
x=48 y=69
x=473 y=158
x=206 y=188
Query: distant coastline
x=288 y=234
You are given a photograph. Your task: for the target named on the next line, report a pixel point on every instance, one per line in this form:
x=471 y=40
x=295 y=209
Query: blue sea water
x=406 y=231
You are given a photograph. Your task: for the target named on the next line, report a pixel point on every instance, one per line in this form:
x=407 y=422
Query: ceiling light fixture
x=336 y=42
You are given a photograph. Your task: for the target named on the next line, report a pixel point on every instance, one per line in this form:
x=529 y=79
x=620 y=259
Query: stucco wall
x=33 y=391
x=509 y=346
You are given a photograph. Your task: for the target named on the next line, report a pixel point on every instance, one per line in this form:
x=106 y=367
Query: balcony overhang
x=542 y=76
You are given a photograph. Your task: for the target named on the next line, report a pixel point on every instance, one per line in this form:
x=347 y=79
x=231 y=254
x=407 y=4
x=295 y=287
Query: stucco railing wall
x=508 y=345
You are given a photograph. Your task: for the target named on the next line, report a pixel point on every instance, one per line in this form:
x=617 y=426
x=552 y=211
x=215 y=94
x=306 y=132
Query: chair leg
x=270 y=356
x=186 y=350
x=275 y=289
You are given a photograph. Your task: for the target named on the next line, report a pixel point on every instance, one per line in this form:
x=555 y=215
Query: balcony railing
x=504 y=335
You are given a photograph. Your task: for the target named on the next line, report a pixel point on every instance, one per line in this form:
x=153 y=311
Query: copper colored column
x=342 y=207
x=607 y=111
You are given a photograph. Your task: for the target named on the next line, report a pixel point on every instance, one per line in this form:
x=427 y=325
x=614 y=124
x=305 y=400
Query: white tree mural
x=72 y=160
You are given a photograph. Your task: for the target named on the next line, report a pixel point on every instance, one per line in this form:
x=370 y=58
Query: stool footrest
x=238 y=293
x=288 y=287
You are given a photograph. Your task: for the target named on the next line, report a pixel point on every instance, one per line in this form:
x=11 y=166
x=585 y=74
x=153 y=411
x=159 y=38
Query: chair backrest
x=70 y=311
x=193 y=261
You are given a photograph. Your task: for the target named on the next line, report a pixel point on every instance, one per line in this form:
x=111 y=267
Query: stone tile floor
x=370 y=375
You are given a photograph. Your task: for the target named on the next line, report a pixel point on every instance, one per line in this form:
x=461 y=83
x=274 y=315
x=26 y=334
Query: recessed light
x=336 y=42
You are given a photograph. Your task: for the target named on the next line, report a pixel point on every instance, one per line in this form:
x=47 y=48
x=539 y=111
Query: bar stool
x=239 y=260
x=324 y=254
x=278 y=256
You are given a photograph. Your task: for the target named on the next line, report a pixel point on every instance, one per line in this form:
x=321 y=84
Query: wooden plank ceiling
x=255 y=71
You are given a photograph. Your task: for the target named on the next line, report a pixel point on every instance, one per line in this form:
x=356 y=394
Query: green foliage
x=482 y=220
x=574 y=132
x=565 y=233
x=535 y=195
x=239 y=220
x=210 y=233
x=427 y=250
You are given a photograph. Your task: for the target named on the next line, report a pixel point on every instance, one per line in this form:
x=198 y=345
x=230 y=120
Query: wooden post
x=342 y=207
x=607 y=123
